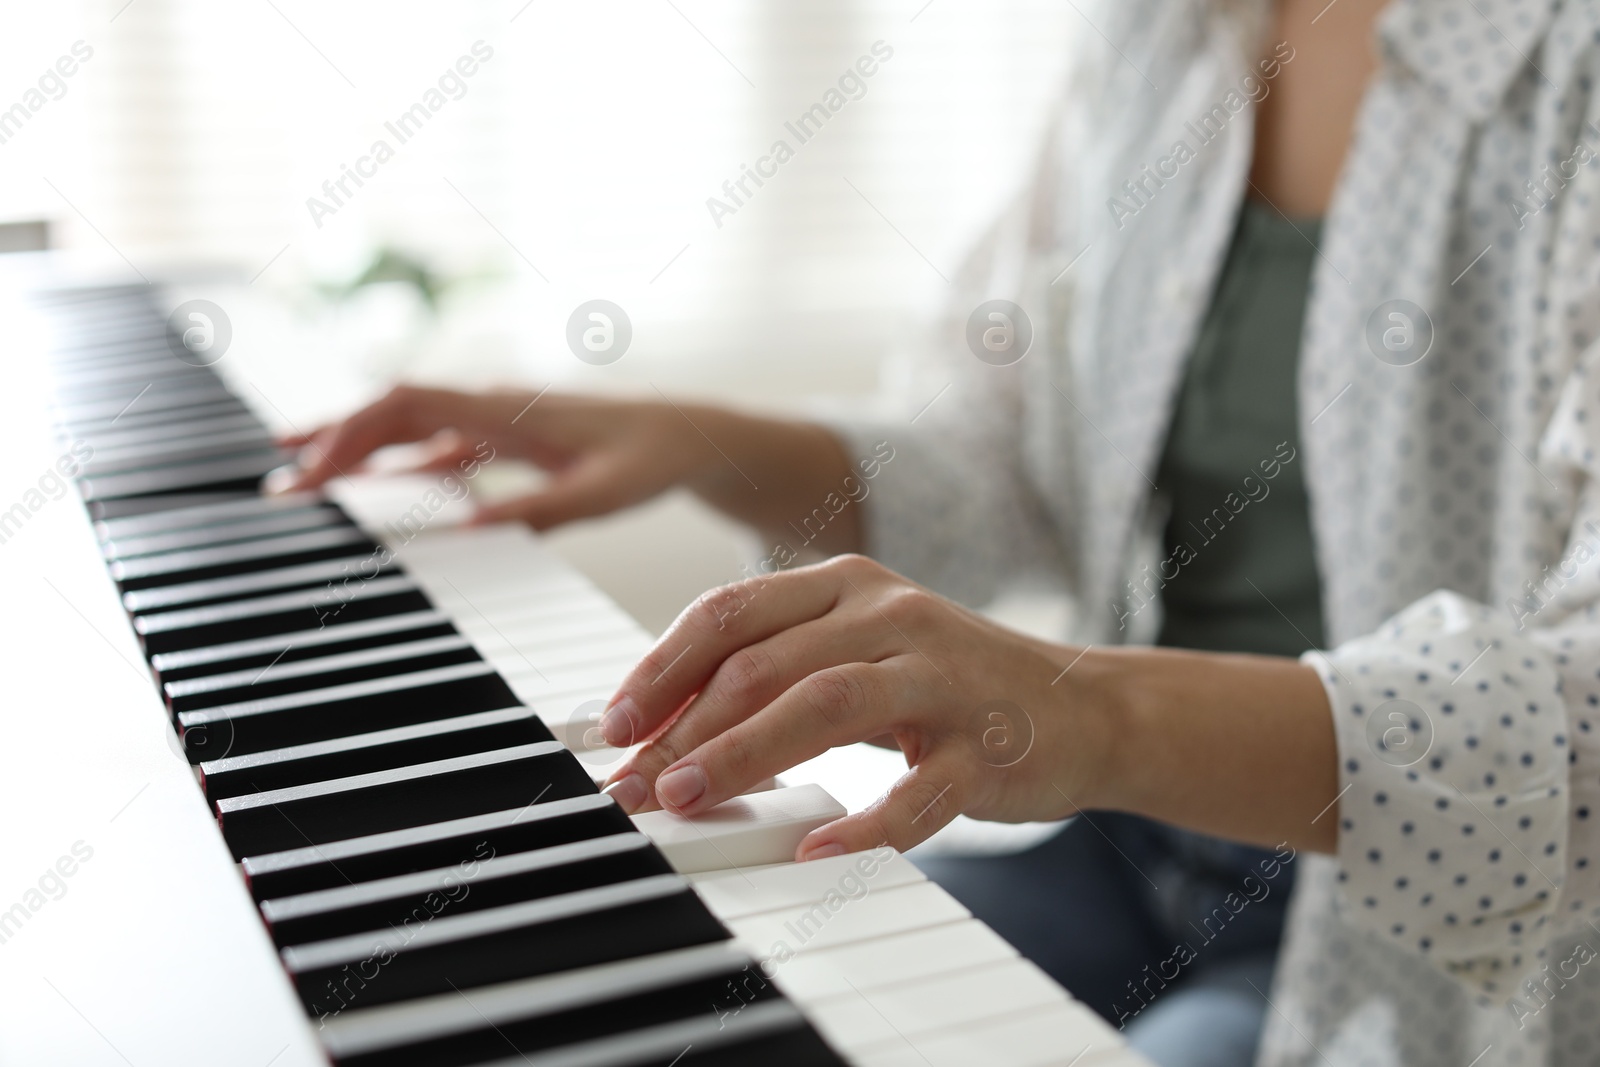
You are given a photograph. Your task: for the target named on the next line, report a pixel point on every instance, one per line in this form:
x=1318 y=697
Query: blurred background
x=574 y=163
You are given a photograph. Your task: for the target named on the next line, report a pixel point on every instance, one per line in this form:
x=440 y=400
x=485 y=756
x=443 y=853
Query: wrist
x=693 y=432
x=1109 y=716
x=1237 y=746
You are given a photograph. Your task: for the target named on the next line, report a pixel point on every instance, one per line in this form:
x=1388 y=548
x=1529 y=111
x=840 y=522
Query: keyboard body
x=130 y=930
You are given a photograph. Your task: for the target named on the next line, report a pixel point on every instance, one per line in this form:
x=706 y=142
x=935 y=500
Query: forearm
x=773 y=474
x=1241 y=747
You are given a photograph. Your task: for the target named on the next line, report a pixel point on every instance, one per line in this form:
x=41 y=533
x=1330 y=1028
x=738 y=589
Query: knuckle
x=834 y=694
x=855 y=566
x=747 y=676
x=717 y=609
x=927 y=802
x=651 y=667
x=734 y=754
x=909 y=606
x=661 y=753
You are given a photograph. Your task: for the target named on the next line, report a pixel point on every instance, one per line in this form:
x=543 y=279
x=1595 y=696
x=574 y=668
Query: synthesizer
x=369 y=830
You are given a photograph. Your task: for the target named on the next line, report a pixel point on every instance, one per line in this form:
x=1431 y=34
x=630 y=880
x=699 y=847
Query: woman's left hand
x=762 y=675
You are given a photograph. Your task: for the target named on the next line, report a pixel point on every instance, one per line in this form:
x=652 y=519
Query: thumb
x=925 y=798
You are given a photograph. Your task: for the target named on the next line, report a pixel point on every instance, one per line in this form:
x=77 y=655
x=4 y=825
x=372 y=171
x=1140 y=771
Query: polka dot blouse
x=1449 y=405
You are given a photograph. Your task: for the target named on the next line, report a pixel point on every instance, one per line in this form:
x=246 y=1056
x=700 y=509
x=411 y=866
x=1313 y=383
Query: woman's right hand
x=601 y=454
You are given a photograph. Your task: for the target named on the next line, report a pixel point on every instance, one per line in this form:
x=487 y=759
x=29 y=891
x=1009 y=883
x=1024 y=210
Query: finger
x=831 y=707
x=595 y=485
x=746 y=682
x=403 y=415
x=446 y=451
x=921 y=802
x=296 y=438
x=710 y=630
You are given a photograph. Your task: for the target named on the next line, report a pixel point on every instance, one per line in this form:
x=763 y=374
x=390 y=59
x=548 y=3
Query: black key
x=421 y=848
x=246 y=470
x=108 y=460
x=124 y=507
x=340 y=568
x=771 y=1033
x=404 y=796
x=170 y=433
x=382 y=750
x=146 y=399
x=297 y=520
x=180 y=562
x=240 y=557
x=104 y=378
x=322 y=672
x=500 y=944
x=750 y=1038
x=279 y=613
x=113 y=379
x=540 y=1014
x=184 y=518
x=339 y=711
x=475 y=882
x=344 y=637
x=134 y=419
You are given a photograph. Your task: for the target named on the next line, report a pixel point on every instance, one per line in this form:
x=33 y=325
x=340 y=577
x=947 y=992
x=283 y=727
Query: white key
x=489 y=600
x=574 y=642
x=861 y=1020
x=558 y=703
x=544 y=680
x=743 y=832
x=885 y=962
x=516 y=597
x=739 y=895
x=573 y=717
x=839 y=920
x=1056 y=1035
x=544 y=669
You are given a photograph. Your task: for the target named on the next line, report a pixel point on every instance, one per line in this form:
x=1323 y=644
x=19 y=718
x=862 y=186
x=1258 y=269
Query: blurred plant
x=392 y=265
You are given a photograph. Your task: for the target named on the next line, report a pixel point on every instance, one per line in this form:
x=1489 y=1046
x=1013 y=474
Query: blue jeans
x=1170 y=936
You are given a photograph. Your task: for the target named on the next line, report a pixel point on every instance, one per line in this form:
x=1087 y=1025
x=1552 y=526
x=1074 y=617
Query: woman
x=1312 y=291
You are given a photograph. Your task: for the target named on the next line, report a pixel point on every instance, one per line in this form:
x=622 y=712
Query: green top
x=1238 y=564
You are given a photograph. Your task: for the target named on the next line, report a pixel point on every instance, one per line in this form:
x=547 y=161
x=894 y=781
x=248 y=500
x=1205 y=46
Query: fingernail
x=629 y=792
x=823 y=852
x=682 y=787
x=281 y=480
x=616 y=725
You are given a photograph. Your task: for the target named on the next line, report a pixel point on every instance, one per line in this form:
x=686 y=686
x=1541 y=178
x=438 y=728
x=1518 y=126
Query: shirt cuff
x=1453 y=750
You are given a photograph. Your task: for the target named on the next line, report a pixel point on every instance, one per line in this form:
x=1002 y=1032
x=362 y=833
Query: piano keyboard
x=397 y=745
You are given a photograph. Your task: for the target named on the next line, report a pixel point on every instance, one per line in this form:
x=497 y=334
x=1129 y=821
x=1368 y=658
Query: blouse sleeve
x=1468 y=751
